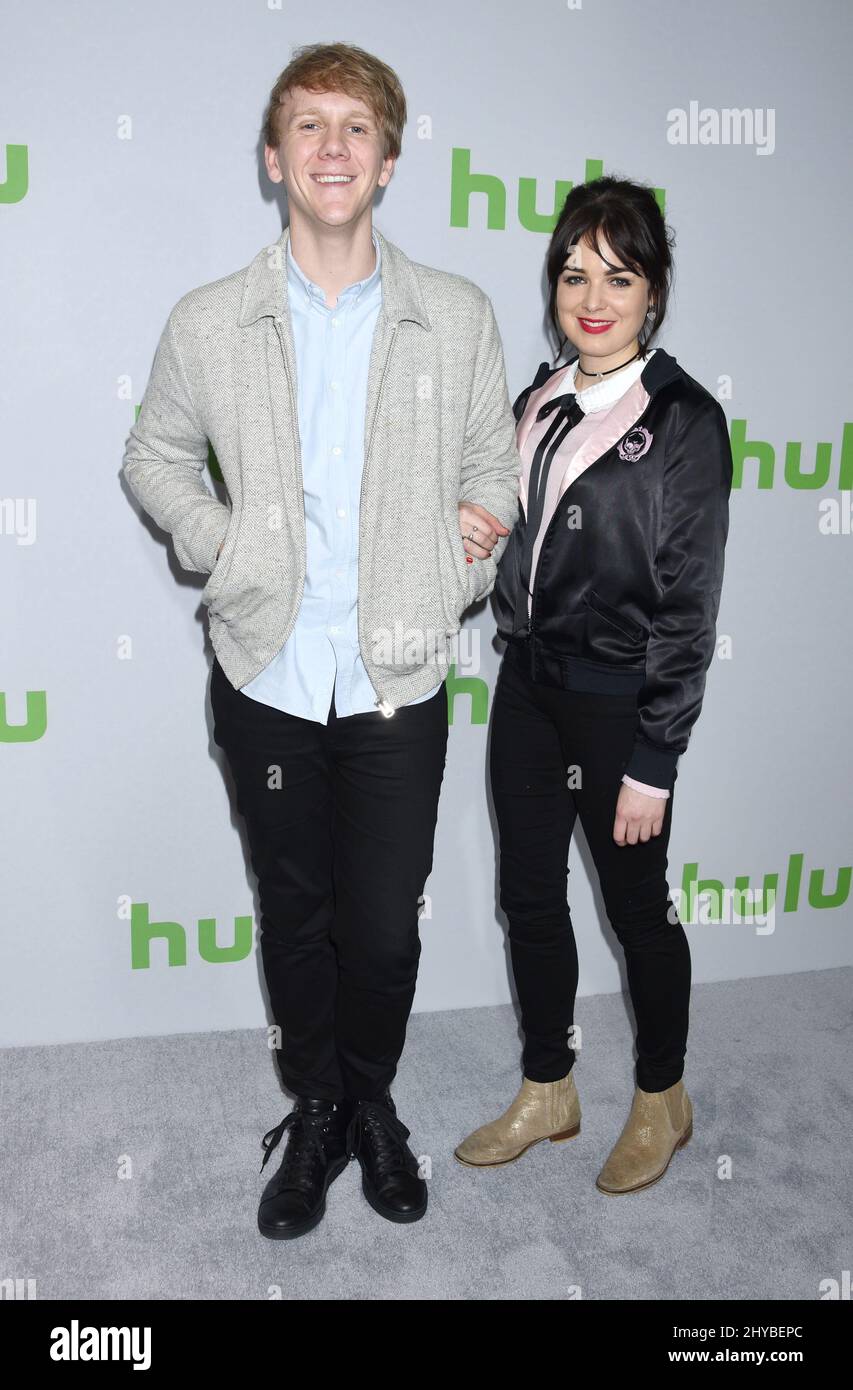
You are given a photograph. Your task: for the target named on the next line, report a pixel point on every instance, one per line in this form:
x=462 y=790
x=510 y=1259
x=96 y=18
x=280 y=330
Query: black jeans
x=342 y=844
x=538 y=734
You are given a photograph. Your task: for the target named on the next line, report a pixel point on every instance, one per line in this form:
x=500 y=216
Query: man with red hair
x=358 y=407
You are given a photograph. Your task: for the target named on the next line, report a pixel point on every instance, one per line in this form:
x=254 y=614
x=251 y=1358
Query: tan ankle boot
x=659 y=1123
x=541 y=1110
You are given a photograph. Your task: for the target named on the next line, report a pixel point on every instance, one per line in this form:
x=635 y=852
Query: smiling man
x=357 y=404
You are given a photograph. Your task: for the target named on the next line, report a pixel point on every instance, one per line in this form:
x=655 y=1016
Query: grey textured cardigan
x=439 y=429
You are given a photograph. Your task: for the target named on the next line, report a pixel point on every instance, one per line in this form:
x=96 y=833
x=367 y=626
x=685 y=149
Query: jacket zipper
x=384 y=705
x=532 y=615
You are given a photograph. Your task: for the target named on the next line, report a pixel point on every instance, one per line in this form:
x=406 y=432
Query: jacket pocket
x=219 y=573
x=612 y=615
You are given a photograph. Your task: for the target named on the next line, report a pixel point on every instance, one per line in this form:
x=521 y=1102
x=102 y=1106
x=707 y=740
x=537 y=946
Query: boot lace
x=387 y=1135
x=304 y=1150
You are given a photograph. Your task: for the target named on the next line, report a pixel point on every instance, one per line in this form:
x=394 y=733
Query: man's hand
x=638 y=816
x=485 y=527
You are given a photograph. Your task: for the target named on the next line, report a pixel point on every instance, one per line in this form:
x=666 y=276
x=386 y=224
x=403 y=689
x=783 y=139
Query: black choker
x=638 y=353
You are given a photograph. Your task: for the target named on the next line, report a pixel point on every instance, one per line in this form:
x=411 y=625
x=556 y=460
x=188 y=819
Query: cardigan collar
x=265 y=288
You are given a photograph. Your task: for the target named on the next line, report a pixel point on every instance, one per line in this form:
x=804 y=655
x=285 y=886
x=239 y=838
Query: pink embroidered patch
x=636 y=443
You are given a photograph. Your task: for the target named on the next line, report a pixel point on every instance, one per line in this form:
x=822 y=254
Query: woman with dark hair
x=607 y=597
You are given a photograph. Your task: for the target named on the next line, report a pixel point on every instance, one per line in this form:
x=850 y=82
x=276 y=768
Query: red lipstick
x=595 y=325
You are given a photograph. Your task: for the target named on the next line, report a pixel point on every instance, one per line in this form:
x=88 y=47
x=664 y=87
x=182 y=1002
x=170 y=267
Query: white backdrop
x=132 y=174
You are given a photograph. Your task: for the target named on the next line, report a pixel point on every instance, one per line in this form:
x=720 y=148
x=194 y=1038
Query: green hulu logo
x=143 y=931
x=474 y=687
x=463 y=183
x=759 y=451
x=35 y=724
x=17 y=181
x=761 y=899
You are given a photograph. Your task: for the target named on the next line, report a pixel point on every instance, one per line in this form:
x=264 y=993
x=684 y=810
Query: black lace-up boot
x=294 y=1201
x=390 y=1172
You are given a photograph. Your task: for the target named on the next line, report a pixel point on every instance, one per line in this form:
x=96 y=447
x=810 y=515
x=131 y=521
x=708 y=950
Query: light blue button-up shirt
x=322 y=654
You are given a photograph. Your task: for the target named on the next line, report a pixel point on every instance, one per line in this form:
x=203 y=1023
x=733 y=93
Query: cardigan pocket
x=225 y=564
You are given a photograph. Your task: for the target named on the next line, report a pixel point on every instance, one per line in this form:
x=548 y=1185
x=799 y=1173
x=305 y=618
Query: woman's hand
x=485 y=527
x=638 y=816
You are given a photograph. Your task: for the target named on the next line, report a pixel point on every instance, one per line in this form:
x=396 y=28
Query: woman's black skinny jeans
x=538 y=734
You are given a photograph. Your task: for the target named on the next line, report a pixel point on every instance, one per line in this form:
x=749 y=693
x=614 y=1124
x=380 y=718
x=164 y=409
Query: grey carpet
x=768 y=1071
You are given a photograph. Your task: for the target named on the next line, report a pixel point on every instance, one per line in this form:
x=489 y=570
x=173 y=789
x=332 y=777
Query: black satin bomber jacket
x=627 y=601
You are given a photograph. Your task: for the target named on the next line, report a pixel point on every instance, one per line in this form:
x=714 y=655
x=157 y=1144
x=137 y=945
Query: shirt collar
x=297 y=278
x=602 y=394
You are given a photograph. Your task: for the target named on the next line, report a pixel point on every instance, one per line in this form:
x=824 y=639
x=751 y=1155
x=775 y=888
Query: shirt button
x=334 y=323
x=334 y=631
x=336 y=449
x=339 y=573
x=342 y=511
x=334 y=385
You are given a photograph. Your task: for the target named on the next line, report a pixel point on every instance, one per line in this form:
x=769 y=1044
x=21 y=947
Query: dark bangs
x=627 y=216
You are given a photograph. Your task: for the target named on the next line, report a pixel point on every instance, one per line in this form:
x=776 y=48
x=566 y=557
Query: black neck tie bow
x=567 y=406
x=566 y=414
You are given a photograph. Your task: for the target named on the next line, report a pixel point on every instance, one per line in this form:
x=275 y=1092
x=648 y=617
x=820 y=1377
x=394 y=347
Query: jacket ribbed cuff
x=654 y=766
